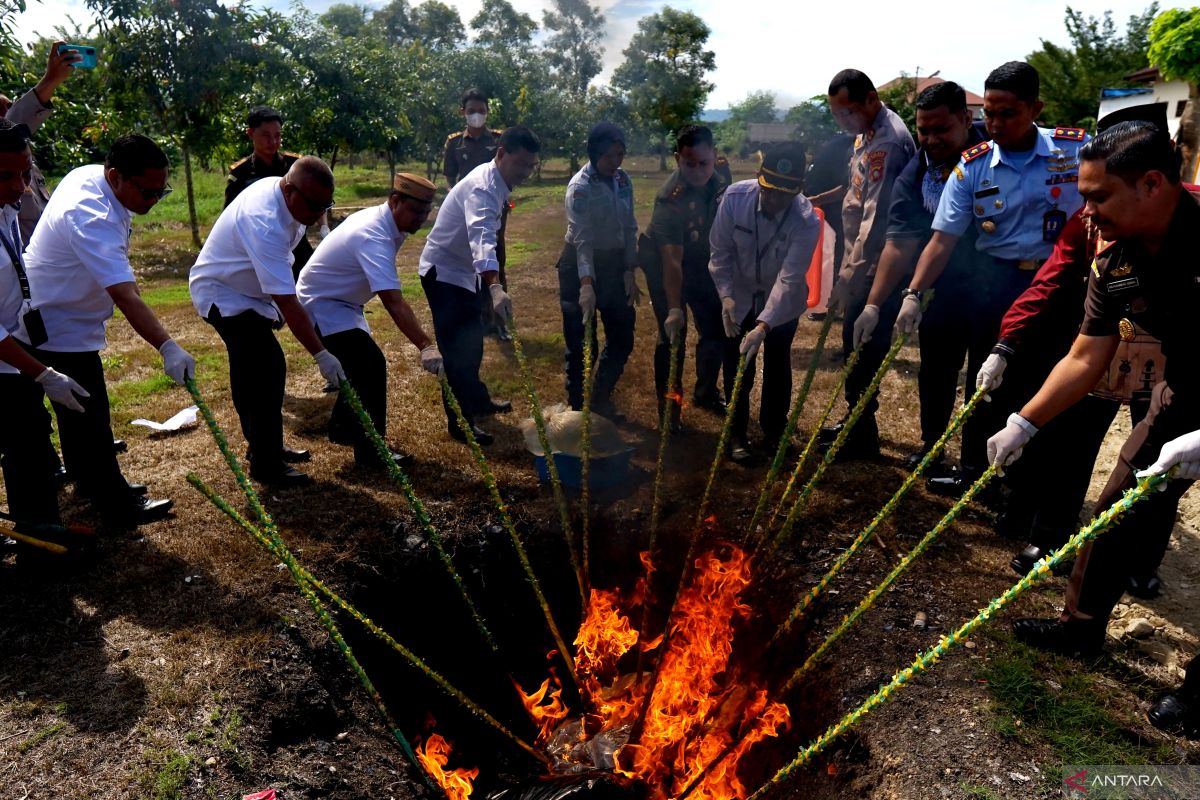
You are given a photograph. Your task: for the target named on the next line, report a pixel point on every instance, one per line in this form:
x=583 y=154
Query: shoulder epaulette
x=497 y=132
x=721 y=160
x=454 y=135
x=287 y=154
x=1103 y=247
x=972 y=153
x=238 y=163
x=676 y=191
x=1070 y=134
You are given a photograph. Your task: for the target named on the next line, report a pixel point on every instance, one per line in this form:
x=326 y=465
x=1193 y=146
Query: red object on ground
x=266 y=794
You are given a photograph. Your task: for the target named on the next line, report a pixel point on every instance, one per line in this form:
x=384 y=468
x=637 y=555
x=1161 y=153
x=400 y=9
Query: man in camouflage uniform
x=264 y=129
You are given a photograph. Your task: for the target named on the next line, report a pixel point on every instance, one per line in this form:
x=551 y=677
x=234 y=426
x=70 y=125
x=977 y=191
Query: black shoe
x=1174 y=714
x=606 y=408
x=58 y=473
x=1023 y=561
x=714 y=405
x=120 y=445
x=817 y=316
x=137 y=489
x=293 y=456
x=501 y=332
x=914 y=460
x=859 y=446
x=481 y=436
x=497 y=407
x=949 y=485
x=1077 y=637
x=739 y=450
x=1144 y=587
x=828 y=434
x=375 y=463
x=285 y=477
x=138 y=511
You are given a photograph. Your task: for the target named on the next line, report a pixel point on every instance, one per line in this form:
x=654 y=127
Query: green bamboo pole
x=873 y=596
x=789 y=429
x=889 y=507
x=722 y=440
x=585 y=446
x=1041 y=570
x=456 y=694
x=539 y=424
x=506 y=521
x=431 y=533
x=295 y=571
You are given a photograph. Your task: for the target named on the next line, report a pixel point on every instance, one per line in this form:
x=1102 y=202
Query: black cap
x=260 y=114
x=1154 y=113
x=783 y=168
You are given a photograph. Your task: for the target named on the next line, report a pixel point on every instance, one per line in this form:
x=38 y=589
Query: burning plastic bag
x=586 y=786
x=564 y=429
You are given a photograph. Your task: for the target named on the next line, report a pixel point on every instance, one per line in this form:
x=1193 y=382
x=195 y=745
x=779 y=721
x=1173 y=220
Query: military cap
x=1154 y=113
x=414 y=186
x=783 y=168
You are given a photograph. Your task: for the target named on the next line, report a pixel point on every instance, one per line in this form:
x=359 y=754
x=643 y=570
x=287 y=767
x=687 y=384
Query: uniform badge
x=979 y=210
x=959 y=173
x=1121 y=271
x=998 y=204
x=1070 y=134
x=1126 y=330
x=876 y=160
x=972 y=153
x=987 y=226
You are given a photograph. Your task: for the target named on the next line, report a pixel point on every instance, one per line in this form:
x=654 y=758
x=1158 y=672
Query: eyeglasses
x=152 y=194
x=315 y=206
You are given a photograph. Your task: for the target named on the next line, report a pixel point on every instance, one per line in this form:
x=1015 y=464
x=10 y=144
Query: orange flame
x=433 y=755
x=545 y=707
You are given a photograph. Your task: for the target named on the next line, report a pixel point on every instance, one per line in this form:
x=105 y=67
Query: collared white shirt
x=79 y=249
x=248 y=255
x=11 y=301
x=349 y=267
x=756 y=256
x=462 y=243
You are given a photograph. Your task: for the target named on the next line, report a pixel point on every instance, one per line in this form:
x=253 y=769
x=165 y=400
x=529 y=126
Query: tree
x=394 y=22
x=663 y=72
x=346 y=19
x=498 y=25
x=438 y=26
x=177 y=62
x=1175 y=50
x=573 y=47
x=731 y=133
x=1099 y=57
x=902 y=98
x=814 y=124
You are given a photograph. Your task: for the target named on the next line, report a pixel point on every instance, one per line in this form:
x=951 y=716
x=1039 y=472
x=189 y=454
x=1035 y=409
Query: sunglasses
x=315 y=206
x=152 y=194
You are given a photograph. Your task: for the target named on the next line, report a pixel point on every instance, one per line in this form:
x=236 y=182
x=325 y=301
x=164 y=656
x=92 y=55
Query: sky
x=791 y=48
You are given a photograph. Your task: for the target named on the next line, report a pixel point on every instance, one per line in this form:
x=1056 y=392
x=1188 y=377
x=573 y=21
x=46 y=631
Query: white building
x=1155 y=90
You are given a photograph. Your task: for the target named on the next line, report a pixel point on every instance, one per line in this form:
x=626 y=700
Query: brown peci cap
x=414 y=186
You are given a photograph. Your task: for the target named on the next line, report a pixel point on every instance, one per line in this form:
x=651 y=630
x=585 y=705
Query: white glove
x=61 y=389
x=752 y=341
x=732 y=327
x=839 y=296
x=909 y=318
x=674 y=324
x=331 y=368
x=177 y=362
x=865 y=325
x=324 y=231
x=431 y=359
x=587 y=301
x=1184 y=452
x=501 y=302
x=632 y=290
x=1005 y=447
x=991 y=374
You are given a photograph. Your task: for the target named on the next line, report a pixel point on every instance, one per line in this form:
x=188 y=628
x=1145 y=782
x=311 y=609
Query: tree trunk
x=191 y=195
x=333 y=158
x=662 y=154
x=1189 y=134
x=574 y=162
x=391 y=157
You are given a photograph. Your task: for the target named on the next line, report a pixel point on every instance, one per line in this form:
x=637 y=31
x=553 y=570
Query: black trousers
x=870 y=358
x=366 y=369
x=32 y=493
x=459 y=331
x=257 y=372
x=300 y=256
x=776 y=393
x=700 y=296
x=486 y=314
x=87 y=438
x=617 y=316
x=1102 y=569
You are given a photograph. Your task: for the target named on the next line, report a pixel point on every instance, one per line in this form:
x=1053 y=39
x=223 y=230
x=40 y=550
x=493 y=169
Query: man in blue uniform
x=1016 y=192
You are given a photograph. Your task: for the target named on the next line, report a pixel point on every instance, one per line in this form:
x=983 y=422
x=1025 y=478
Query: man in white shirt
x=762 y=243
x=24 y=434
x=356 y=262
x=78 y=267
x=459 y=256
x=242 y=285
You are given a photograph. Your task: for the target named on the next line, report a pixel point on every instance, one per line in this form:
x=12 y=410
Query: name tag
x=1122 y=285
x=988 y=192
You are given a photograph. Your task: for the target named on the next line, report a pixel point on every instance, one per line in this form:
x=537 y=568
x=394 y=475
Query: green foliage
x=1098 y=57
x=573 y=48
x=664 y=68
x=438 y=26
x=346 y=19
x=814 y=123
x=1175 y=44
x=499 y=25
x=902 y=98
x=731 y=133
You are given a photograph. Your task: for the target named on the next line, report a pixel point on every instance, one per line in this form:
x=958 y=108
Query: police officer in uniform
x=1017 y=193
x=674 y=255
x=264 y=128
x=944 y=130
x=1147 y=277
x=881 y=150
x=465 y=150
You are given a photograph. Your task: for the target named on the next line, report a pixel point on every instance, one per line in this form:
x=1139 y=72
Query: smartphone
x=86 y=50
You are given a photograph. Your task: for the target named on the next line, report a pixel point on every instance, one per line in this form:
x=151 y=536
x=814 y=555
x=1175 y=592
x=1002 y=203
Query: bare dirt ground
x=180 y=661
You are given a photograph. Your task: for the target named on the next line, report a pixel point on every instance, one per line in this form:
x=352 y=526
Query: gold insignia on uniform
x=1126 y=329
x=1095 y=269
x=999 y=204
x=958 y=171
x=1121 y=271
x=988 y=226
x=979 y=210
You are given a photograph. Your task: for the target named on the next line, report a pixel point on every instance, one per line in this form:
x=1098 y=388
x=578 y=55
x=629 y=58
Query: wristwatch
x=911 y=293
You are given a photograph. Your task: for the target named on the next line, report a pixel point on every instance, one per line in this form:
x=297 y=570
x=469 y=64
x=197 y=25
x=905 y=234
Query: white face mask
x=476 y=120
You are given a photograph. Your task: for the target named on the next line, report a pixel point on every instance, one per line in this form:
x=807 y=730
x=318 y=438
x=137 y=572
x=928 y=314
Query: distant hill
x=714 y=115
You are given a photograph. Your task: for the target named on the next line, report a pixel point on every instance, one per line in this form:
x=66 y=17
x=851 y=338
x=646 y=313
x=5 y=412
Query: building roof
x=924 y=83
x=1146 y=75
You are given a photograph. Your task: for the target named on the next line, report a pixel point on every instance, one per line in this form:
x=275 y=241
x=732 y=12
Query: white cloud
x=793 y=49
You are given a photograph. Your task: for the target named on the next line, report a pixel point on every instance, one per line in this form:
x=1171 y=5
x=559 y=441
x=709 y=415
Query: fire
x=702 y=718
x=433 y=755
x=545 y=707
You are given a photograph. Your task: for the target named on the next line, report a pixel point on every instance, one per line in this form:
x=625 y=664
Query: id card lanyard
x=760 y=252
x=13 y=248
